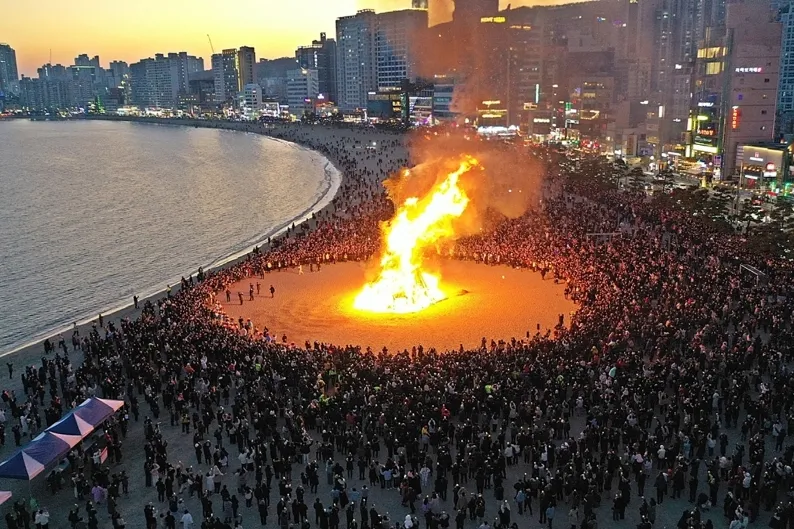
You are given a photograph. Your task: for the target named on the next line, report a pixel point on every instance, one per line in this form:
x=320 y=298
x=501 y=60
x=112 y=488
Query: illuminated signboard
x=770 y=167
x=706 y=132
x=749 y=70
x=493 y=20
x=541 y=120
x=526 y=28
x=736 y=117
x=705 y=104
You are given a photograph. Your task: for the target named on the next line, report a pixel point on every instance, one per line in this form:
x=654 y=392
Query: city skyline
x=273 y=30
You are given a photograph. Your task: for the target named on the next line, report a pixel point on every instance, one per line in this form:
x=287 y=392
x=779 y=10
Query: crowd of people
x=667 y=396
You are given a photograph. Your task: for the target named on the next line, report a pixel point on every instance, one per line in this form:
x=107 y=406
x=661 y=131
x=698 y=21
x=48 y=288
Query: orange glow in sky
x=130 y=31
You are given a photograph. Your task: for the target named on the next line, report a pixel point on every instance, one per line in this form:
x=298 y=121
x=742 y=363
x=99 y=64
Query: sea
x=94 y=212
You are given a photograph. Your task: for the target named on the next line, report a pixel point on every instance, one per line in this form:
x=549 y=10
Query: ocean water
x=93 y=212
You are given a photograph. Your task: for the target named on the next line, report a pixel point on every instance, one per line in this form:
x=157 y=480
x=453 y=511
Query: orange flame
x=402 y=286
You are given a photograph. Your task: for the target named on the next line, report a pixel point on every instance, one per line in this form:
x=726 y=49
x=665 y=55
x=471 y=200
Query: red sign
x=736 y=116
x=771 y=167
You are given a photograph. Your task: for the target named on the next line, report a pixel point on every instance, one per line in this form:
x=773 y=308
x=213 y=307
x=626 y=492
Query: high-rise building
x=785 y=95
x=321 y=56
x=396 y=38
x=735 y=85
x=151 y=82
x=754 y=40
x=356 y=60
x=224 y=69
x=194 y=64
x=179 y=71
x=246 y=62
x=83 y=60
x=303 y=89
x=9 y=73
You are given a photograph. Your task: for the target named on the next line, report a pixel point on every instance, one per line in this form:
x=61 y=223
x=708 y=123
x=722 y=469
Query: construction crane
x=211 y=46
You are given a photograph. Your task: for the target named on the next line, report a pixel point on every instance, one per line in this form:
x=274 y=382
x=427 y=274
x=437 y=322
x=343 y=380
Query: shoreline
x=124 y=309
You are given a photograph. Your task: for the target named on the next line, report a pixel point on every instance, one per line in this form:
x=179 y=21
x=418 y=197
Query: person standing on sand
x=251 y=292
x=240 y=295
x=10 y=370
x=101 y=320
x=135 y=301
x=272 y=291
x=228 y=296
x=258 y=288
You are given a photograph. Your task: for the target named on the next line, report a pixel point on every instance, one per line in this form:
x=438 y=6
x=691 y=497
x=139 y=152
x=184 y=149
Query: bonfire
x=402 y=286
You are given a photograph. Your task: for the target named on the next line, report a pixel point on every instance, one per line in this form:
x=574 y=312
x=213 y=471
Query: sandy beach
x=492 y=302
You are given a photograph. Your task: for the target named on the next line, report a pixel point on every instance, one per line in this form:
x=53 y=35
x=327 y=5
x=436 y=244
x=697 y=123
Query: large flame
x=402 y=286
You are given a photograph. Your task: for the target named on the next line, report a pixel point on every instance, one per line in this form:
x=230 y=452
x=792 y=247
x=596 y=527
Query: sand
x=500 y=303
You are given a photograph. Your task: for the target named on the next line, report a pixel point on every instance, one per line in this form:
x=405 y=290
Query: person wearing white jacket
x=42 y=519
x=187 y=520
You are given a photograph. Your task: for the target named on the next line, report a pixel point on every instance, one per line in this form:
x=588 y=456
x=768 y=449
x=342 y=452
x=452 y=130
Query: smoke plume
x=507 y=182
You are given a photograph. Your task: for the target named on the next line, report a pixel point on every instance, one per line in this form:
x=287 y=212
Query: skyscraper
x=224 y=70
x=246 y=60
x=785 y=94
x=356 y=61
x=321 y=56
x=9 y=74
x=395 y=38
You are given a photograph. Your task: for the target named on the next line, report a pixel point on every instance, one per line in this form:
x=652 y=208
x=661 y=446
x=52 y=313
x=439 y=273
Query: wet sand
x=499 y=303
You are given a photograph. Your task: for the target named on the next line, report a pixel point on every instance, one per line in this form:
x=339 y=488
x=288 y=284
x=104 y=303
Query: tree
x=636 y=182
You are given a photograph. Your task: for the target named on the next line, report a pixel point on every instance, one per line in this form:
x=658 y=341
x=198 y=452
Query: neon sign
x=749 y=70
x=736 y=116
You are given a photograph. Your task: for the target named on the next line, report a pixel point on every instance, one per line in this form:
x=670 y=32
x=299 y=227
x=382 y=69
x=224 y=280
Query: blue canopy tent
x=56 y=441
x=95 y=411
x=20 y=466
x=35 y=457
x=71 y=429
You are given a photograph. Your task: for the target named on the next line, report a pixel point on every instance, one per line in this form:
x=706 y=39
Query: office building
x=321 y=56
x=754 y=38
x=356 y=60
x=224 y=69
x=9 y=73
x=735 y=87
x=397 y=35
x=303 y=90
x=246 y=63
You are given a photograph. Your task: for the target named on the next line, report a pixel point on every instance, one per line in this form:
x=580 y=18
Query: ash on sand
x=495 y=302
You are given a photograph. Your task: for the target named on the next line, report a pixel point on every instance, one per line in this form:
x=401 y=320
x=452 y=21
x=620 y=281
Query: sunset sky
x=130 y=31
